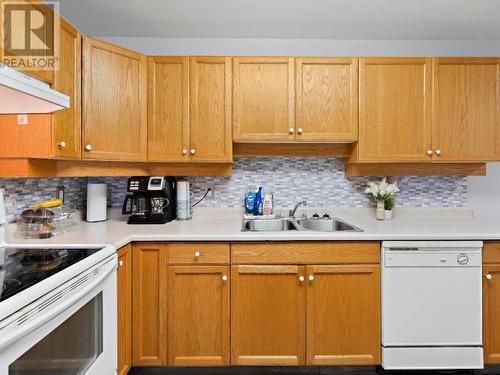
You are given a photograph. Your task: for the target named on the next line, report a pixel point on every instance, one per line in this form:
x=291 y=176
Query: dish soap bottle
x=257 y=210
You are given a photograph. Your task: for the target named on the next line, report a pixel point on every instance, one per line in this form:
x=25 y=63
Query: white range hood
x=20 y=93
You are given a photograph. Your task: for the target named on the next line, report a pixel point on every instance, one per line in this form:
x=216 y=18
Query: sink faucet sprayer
x=291 y=213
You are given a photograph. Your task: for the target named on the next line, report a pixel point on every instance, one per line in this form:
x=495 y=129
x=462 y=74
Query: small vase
x=388 y=214
x=380 y=212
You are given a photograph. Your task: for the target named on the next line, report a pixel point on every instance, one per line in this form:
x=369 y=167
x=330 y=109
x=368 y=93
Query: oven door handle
x=17 y=331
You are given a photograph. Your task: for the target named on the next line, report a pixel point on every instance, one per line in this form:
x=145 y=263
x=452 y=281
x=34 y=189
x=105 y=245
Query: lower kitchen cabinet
x=124 y=286
x=343 y=315
x=268 y=315
x=149 y=304
x=198 y=316
x=491 y=313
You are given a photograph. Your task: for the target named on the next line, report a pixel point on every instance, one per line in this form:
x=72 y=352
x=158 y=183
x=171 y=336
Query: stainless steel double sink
x=298 y=224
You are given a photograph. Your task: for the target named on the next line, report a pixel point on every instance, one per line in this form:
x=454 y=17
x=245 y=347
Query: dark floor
x=299 y=371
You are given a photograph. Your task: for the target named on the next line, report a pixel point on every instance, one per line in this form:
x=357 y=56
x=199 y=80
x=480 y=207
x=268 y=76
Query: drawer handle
x=197 y=254
x=489 y=276
x=224 y=278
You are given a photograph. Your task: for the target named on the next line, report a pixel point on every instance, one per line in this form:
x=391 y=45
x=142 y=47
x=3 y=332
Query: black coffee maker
x=153 y=200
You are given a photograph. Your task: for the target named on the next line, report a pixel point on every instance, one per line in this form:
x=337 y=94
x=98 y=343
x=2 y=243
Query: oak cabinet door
x=114 y=102
x=267 y=315
x=46 y=20
x=395 y=109
x=124 y=284
x=210 y=109
x=491 y=313
x=149 y=304
x=327 y=99
x=168 y=109
x=343 y=315
x=263 y=99
x=198 y=316
x=66 y=123
x=466 y=109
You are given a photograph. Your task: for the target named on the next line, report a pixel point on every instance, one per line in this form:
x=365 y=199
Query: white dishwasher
x=432 y=305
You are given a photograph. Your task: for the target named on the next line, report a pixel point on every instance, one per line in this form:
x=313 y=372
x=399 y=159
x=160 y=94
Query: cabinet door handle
x=184 y=152
x=489 y=276
x=311 y=277
x=224 y=278
x=291 y=130
x=299 y=130
x=88 y=147
x=120 y=263
x=197 y=254
x=61 y=145
x=429 y=152
x=438 y=152
x=193 y=151
x=301 y=278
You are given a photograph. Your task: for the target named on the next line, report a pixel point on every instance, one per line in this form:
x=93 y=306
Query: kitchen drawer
x=333 y=252
x=198 y=253
x=491 y=252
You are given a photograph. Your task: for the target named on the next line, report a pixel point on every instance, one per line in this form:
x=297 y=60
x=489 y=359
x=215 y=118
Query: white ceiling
x=289 y=19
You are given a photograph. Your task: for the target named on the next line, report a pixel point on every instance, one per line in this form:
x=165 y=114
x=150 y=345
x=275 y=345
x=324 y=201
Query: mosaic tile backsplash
x=319 y=180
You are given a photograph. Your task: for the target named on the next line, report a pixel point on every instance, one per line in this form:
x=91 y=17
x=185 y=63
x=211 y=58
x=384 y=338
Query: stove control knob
x=463 y=259
x=326 y=216
x=316 y=216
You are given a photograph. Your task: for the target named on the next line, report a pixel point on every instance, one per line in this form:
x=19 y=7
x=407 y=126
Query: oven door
x=70 y=331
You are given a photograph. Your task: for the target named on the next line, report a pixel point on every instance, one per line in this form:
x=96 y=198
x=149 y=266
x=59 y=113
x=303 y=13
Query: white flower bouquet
x=381 y=190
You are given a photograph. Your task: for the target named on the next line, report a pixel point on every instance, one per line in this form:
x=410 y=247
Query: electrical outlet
x=211 y=193
x=22 y=119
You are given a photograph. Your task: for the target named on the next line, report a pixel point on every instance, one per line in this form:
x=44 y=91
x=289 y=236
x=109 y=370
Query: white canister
x=97 y=202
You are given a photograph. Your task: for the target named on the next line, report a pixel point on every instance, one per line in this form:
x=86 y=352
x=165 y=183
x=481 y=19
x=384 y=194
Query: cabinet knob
x=311 y=277
x=438 y=152
x=291 y=130
x=429 y=152
x=197 y=254
x=88 y=147
x=301 y=278
x=120 y=263
x=184 y=152
x=61 y=145
x=489 y=276
x=299 y=130
x=193 y=151
x=224 y=278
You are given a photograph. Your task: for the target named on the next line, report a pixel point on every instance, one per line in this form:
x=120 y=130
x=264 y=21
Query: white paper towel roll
x=96 y=202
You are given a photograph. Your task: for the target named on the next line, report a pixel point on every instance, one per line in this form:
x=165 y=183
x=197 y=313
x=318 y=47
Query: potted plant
x=381 y=191
x=389 y=203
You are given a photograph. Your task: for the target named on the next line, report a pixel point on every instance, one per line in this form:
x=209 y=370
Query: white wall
x=307 y=47
x=484 y=192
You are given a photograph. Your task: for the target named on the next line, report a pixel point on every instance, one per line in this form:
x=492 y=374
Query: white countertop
x=225 y=225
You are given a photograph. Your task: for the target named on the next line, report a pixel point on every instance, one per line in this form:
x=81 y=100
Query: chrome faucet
x=291 y=213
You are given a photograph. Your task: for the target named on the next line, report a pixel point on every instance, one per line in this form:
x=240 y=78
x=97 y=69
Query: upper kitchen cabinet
x=168 y=109
x=466 y=109
x=114 y=119
x=210 y=109
x=263 y=99
x=395 y=110
x=46 y=21
x=327 y=99
x=66 y=124
x=51 y=135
